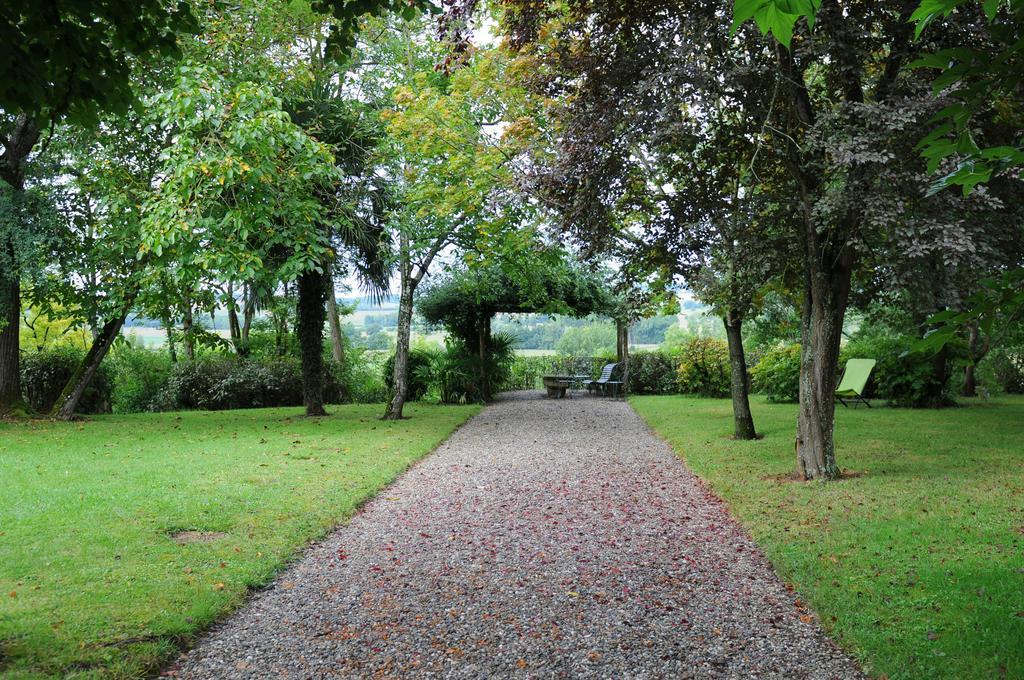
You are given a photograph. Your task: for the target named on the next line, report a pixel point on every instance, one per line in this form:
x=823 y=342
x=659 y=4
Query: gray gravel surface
x=543 y=539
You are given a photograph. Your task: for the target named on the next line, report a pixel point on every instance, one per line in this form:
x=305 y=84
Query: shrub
x=139 y=375
x=250 y=384
x=362 y=376
x=524 y=373
x=777 y=374
x=454 y=374
x=901 y=376
x=704 y=367
x=419 y=376
x=45 y=373
x=192 y=385
x=219 y=382
x=651 y=373
x=1003 y=369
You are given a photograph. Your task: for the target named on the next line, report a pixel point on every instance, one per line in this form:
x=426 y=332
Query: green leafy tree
x=452 y=175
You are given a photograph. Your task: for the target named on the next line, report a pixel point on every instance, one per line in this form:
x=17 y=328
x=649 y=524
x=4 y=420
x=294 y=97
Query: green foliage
x=265 y=342
x=139 y=376
x=525 y=373
x=420 y=357
x=999 y=302
x=775 y=17
x=979 y=79
x=362 y=374
x=76 y=56
x=1003 y=369
x=652 y=373
x=651 y=331
x=777 y=374
x=777 y=322
x=553 y=283
x=44 y=375
x=704 y=367
x=902 y=376
x=591 y=340
x=240 y=181
x=217 y=382
x=455 y=373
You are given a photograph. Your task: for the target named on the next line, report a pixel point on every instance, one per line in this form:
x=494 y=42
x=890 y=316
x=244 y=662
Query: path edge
x=168 y=667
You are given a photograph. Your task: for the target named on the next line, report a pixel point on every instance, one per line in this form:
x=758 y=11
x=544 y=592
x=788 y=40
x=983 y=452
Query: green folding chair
x=855 y=378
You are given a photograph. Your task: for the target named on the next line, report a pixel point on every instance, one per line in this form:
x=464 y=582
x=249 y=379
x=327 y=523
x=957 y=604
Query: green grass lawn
x=917 y=565
x=92 y=582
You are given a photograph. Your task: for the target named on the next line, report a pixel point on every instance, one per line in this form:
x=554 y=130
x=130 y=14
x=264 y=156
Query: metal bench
x=605 y=381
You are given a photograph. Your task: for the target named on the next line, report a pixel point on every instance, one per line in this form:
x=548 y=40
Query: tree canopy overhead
x=74 y=56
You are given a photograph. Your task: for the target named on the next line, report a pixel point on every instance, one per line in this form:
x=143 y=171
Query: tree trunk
x=827 y=287
x=481 y=350
x=67 y=403
x=622 y=351
x=187 y=337
x=17 y=148
x=400 y=377
x=975 y=353
x=171 y=349
x=10 y=358
x=743 y=419
x=970 y=388
x=935 y=393
x=309 y=327
x=337 y=339
x=621 y=340
x=234 y=328
x=248 y=312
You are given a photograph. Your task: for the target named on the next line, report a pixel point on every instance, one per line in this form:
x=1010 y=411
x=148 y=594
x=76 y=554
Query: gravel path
x=544 y=539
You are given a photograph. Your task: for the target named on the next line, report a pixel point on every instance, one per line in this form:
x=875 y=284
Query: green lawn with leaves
x=916 y=563
x=92 y=578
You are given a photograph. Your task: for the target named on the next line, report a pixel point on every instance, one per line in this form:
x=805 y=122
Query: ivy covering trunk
x=310 y=317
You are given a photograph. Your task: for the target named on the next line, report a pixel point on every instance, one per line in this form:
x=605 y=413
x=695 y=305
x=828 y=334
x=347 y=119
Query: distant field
x=535 y=352
x=154 y=338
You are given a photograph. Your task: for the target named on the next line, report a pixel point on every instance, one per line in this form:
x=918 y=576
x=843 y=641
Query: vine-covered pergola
x=465 y=302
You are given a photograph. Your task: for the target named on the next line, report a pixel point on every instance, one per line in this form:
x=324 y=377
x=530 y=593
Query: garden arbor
x=465 y=302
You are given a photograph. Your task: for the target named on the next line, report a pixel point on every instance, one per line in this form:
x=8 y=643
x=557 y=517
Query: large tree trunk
x=970 y=388
x=400 y=377
x=337 y=339
x=309 y=327
x=10 y=360
x=827 y=287
x=935 y=393
x=743 y=419
x=18 y=146
x=67 y=403
x=621 y=340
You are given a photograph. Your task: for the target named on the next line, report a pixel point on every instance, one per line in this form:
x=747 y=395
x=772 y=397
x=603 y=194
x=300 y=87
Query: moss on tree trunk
x=743 y=419
x=309 y=327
